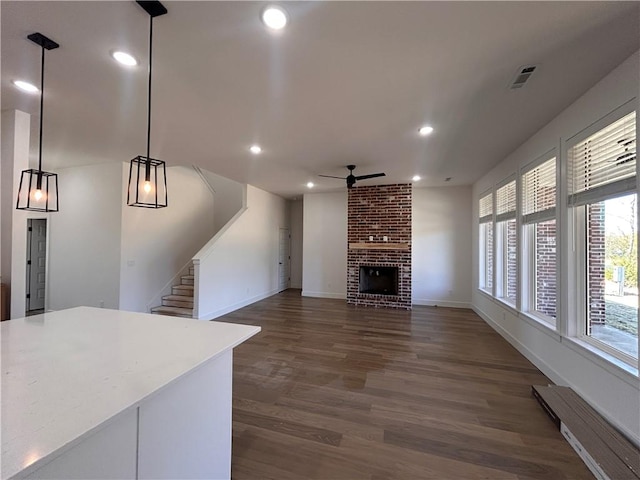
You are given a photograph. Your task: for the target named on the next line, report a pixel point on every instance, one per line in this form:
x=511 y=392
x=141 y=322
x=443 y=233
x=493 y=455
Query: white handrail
x=206 y=250
x=204 y=179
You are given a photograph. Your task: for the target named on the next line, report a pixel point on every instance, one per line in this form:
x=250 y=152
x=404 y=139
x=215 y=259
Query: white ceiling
x=346 y=82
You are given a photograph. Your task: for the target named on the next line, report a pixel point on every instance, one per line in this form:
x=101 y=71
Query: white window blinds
x=506 y=202
x=605 y=163
x=486 y=208
x=539 y=192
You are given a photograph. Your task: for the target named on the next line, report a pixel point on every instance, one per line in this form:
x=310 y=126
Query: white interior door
x=36 y=263
x=284 y=259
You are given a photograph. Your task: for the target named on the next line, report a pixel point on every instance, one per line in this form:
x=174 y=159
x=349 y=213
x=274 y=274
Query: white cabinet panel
x=185 y=430
x=108 y=453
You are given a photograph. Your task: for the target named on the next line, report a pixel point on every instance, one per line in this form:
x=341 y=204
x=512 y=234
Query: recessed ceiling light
x=125 y=59
x=274 y=17
x=425 y=130
x=255 y=149
x=26 y=86
x=416 y=178
x=310 y=185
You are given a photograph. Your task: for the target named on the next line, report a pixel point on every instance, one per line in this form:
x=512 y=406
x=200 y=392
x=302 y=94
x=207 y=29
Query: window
x=506 y=236
x=539 y=240
x=603 y=201
x=486 y=243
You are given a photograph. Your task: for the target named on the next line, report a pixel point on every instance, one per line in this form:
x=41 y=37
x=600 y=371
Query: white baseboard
x=440 y=303
x=552 y=374
x=340 y=296
x=232 y=308
x=543 y=366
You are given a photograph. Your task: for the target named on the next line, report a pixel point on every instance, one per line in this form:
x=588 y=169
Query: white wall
x=13 y=228
x=324 y=264
x=296 y=218
x=612 y=390
x=228 y=198
x=441 y=249
x=441 y=246
x=84 y=238
x=240 y=265
x=157 y=243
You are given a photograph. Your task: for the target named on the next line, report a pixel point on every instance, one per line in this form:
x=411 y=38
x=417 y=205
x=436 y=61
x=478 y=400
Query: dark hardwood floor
x=330 y=391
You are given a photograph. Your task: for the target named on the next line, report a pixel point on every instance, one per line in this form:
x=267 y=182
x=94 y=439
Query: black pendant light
x=148 y=176
x=38 y=191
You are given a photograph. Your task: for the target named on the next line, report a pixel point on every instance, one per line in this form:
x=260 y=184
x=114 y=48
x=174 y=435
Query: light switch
x=371 y=238
x=385 y=238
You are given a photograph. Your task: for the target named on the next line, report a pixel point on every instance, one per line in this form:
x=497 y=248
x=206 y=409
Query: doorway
x=36 y=265
x=284 y=259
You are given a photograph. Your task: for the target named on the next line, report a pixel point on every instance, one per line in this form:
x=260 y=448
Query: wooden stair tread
x=174 y=311
x=180 y=302
x=183 y=287
x=179 y=298
x=614 y=453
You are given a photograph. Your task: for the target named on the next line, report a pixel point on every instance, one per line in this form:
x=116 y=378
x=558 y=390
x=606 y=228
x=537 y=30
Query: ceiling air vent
x=522 y=76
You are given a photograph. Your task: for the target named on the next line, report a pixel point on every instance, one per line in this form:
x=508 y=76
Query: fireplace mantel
x=379 y=246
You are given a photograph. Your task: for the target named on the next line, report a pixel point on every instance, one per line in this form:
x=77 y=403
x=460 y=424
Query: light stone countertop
x=66 y=373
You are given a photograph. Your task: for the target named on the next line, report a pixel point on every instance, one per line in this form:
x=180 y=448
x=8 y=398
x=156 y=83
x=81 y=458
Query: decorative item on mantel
x=378 y=246
x=38 y=191
x=148 y=176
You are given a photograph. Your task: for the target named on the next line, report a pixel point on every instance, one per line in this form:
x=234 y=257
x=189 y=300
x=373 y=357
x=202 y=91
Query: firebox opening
x=378 y=280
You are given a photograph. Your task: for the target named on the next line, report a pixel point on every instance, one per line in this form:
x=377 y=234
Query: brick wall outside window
x=595 y=264
x=511 y=260
x=488 y=256
x=545 y=268
x=379 y=211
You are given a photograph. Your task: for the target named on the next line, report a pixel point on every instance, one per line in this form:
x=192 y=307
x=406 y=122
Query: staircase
x=180 y=302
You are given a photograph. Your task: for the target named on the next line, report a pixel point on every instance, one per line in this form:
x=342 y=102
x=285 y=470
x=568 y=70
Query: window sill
x=608 y=362
x=540 y=324
x=504 y=304
x=485 y=292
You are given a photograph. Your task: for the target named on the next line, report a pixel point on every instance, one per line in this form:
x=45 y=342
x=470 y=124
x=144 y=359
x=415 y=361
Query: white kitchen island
x=96 y=393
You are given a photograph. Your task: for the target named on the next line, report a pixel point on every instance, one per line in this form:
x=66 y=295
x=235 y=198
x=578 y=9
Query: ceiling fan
x=351 y=178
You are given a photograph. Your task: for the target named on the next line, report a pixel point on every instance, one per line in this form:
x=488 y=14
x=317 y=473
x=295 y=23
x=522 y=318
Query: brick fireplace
x=379 y=245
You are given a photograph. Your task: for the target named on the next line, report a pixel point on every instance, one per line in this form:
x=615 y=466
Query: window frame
x=501 y=231
x=576 y=230
x=528 y=223
x=483 y=222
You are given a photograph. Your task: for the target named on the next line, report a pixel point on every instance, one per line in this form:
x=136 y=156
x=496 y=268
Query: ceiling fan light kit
x=352 y=179
x=148 y=176
x=38 y=190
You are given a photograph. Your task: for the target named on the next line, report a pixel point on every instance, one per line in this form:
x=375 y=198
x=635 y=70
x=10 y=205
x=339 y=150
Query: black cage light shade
x=147 y=183
x=148 y=176
x=38 y=190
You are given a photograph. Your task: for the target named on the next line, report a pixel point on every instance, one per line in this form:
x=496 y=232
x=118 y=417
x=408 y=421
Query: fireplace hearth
x=378 y=280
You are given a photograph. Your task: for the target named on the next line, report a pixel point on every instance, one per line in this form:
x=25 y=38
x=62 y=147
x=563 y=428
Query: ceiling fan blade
x=331 y=176
x=373 y=175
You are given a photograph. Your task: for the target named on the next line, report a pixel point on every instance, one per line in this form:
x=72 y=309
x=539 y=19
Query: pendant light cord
x=41 y=114
x=149 y=97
